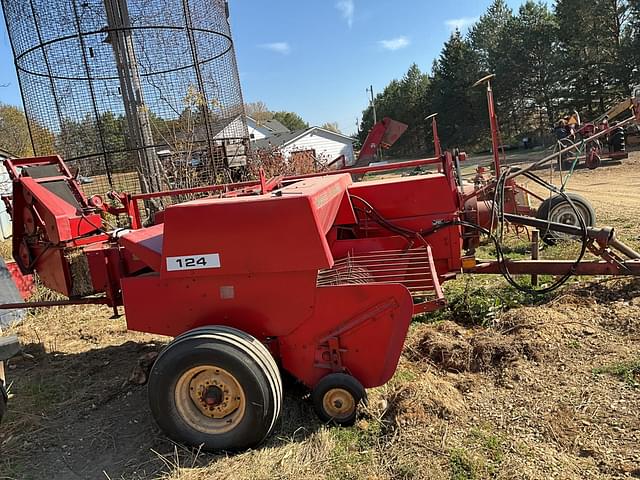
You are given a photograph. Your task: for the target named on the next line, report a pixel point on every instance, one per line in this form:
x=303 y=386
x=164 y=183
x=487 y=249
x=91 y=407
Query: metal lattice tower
x=140 y=95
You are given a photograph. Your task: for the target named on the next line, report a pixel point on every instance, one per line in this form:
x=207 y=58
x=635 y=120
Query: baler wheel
x=216 y=387
x=257 y=347
x=336 y=397
x=557 y=209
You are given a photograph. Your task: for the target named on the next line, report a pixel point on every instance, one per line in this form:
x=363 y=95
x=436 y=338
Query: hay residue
x=81 y=283
x=420 y=401
x=456 y=349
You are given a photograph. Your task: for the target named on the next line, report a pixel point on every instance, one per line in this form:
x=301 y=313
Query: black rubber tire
x=618 y=140
x=545 y=212
x=238 y=353
x=344 y=382
x=257 y=348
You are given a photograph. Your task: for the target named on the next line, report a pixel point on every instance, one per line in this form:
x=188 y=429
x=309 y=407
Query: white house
x=268 y=128
x=316 y=143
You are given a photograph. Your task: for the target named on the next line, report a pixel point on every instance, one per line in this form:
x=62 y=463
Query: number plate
x=193 y=262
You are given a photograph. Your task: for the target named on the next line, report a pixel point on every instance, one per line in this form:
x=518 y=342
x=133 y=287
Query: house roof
x=275 y=126
x=284 y=139
x=272 y=125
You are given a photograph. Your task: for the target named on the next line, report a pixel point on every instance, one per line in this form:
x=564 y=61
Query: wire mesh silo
x=140 y=95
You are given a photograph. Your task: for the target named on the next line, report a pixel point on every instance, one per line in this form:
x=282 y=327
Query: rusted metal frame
x=535 y=253
x=615 y=155
x=621 y=247
x=111 y=290
x=370 y=168
x=439 y=301
x=436 y=138
x=526 y=190
x=556 y=267
x=612 y=265
x=428 y=306
x=493 y=121
x=56 y=303
x=602 y=235
x=434 y=276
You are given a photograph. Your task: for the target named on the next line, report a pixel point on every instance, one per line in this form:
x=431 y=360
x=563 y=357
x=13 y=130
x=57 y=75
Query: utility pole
x=372 y=102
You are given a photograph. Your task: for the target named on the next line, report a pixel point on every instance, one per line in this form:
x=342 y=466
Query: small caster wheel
x=336 y=397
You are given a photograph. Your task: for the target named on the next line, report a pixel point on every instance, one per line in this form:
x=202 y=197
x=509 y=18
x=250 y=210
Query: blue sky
x=317 y=57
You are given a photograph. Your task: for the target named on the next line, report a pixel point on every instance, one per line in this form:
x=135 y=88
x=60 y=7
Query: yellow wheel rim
x=339 y=403
x=210 y=399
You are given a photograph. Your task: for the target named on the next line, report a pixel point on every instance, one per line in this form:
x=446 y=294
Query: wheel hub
x=210 y=399
x=213 y=396
x=215 y=392
x=339 y=403
x=566 y=215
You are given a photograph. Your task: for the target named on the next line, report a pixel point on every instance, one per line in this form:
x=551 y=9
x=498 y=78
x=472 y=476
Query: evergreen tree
x=461 y=112
x=291 y=120
x=485 y=35
x=594 y=70
x=527 y=79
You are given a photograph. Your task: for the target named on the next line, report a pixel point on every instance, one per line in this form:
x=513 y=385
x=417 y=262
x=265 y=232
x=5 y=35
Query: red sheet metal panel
x=283 y=231
x=264 y=305
x=417 y=203
x=369 y=322
x=146 y=245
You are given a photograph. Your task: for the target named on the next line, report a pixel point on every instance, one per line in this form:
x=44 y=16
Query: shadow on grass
x=78 y=416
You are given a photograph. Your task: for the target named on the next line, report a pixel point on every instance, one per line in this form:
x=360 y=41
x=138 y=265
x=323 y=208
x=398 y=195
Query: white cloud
x=282 y=48
x=395 y=43
x=347 y=9
x=462 y=23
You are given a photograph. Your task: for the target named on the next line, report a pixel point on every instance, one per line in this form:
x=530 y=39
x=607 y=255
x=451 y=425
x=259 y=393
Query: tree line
x=261 y=113
x=548 y=61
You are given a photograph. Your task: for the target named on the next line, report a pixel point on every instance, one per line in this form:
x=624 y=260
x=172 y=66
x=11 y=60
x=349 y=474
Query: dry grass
x=5 y=249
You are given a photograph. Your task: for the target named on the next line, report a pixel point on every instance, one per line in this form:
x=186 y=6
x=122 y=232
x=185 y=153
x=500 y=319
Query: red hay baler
x=316 y=276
